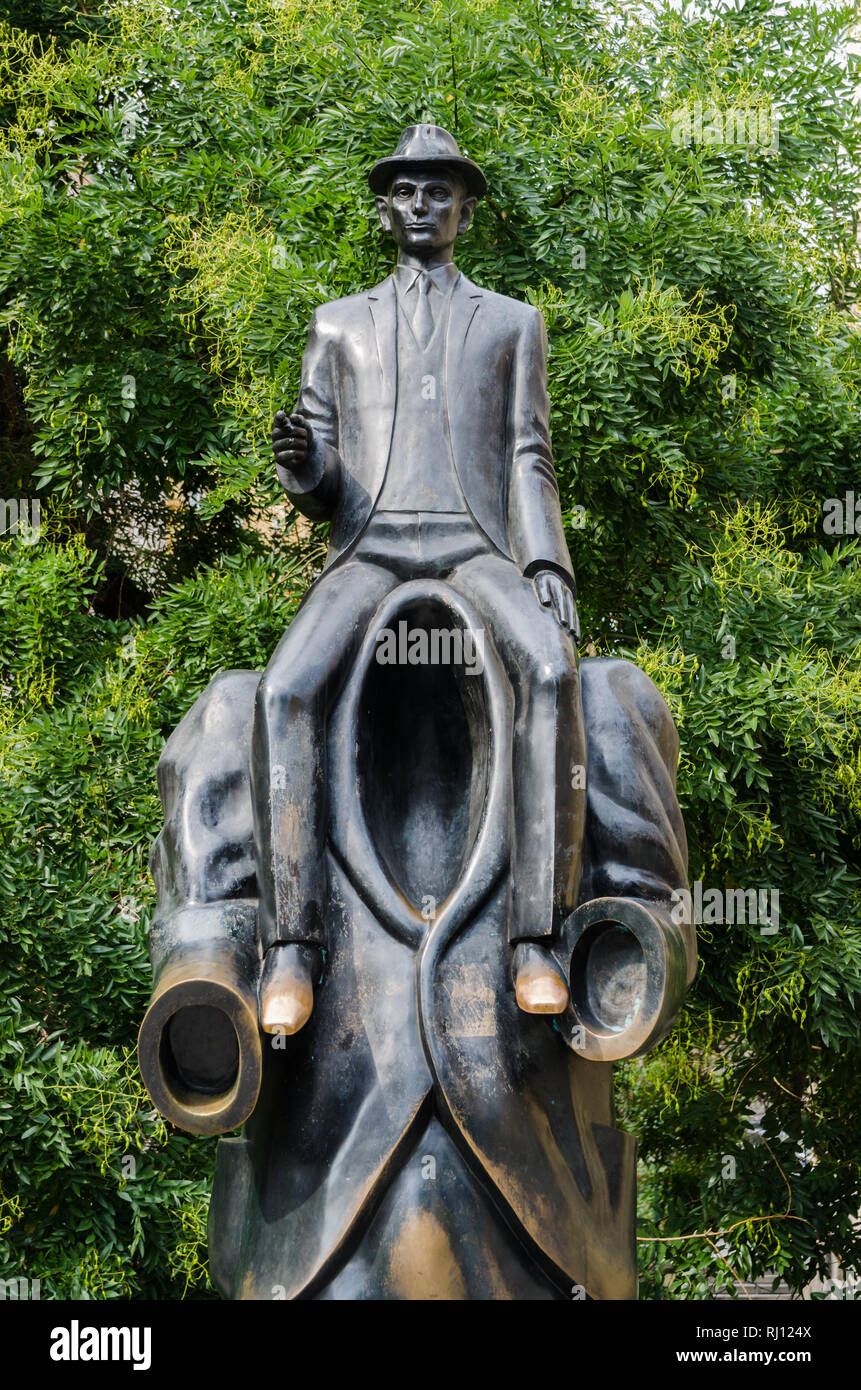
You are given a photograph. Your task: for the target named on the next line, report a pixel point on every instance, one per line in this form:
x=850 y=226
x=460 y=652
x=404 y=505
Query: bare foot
x=539 y=986
x=287 y=987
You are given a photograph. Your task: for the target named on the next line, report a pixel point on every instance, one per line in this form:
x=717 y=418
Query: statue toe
x=539 y=986
x=287 y=988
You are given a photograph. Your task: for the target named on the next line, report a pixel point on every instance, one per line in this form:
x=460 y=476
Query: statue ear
x=467 y=208
x=382 y=203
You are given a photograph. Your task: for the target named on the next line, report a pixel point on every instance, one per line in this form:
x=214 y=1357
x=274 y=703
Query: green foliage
x=97 y=1200
x=179 y=188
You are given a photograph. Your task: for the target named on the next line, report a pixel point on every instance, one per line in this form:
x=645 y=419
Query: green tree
x=180 y=186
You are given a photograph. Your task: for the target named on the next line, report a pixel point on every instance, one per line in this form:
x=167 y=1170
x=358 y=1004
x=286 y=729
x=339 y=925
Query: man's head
x=426 y=191
x=425 y=209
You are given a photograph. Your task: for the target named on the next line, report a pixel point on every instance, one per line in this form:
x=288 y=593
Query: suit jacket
x=495 y=394
x=345 y=1103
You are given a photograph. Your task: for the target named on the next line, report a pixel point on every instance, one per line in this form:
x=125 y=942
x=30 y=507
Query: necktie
x=423 y=316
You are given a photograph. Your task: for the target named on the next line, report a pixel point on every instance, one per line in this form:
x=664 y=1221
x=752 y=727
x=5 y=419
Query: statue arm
x=630 y=948
x=199 y=1047
x=534 y=518
x=312 y=478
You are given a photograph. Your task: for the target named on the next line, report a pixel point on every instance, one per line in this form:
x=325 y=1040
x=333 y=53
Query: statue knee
x=281 y=695
x=554 y=664
x=613 y=683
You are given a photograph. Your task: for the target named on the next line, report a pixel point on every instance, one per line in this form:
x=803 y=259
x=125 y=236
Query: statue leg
x=635 y=844
x=288 y=775
x=549 y=754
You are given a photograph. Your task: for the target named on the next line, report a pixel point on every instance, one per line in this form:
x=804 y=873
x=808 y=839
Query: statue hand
x=291 y=441
x=553 y=592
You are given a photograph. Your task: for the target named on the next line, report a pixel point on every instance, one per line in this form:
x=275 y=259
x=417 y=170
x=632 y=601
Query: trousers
x=307 y=673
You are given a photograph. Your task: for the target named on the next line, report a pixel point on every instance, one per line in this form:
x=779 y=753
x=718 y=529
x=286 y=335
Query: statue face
x=425 y=210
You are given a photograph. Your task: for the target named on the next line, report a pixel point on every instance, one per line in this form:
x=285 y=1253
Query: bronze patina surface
x=415 y=878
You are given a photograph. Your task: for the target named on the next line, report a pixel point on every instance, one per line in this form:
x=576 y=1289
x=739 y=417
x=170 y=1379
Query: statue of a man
x=421 y=432
x=413 y=1128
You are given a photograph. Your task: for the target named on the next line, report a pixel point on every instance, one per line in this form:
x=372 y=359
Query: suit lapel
x=465 y=300
x=383 y=306
x=382 y=303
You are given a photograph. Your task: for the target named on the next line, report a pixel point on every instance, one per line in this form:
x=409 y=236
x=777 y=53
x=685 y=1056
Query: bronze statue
x=436 y=851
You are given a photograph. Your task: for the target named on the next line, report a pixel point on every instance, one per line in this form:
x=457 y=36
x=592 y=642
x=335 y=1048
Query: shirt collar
x=442 y=276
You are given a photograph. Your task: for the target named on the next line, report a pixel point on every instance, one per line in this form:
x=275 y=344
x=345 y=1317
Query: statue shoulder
x=517 y=312
x=339 y=313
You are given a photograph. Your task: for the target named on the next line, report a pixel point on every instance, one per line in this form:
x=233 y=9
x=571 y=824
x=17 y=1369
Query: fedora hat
x=427 y=144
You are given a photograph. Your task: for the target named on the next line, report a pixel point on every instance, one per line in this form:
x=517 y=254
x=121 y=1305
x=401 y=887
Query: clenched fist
x=291 y=441
x=554 y=593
